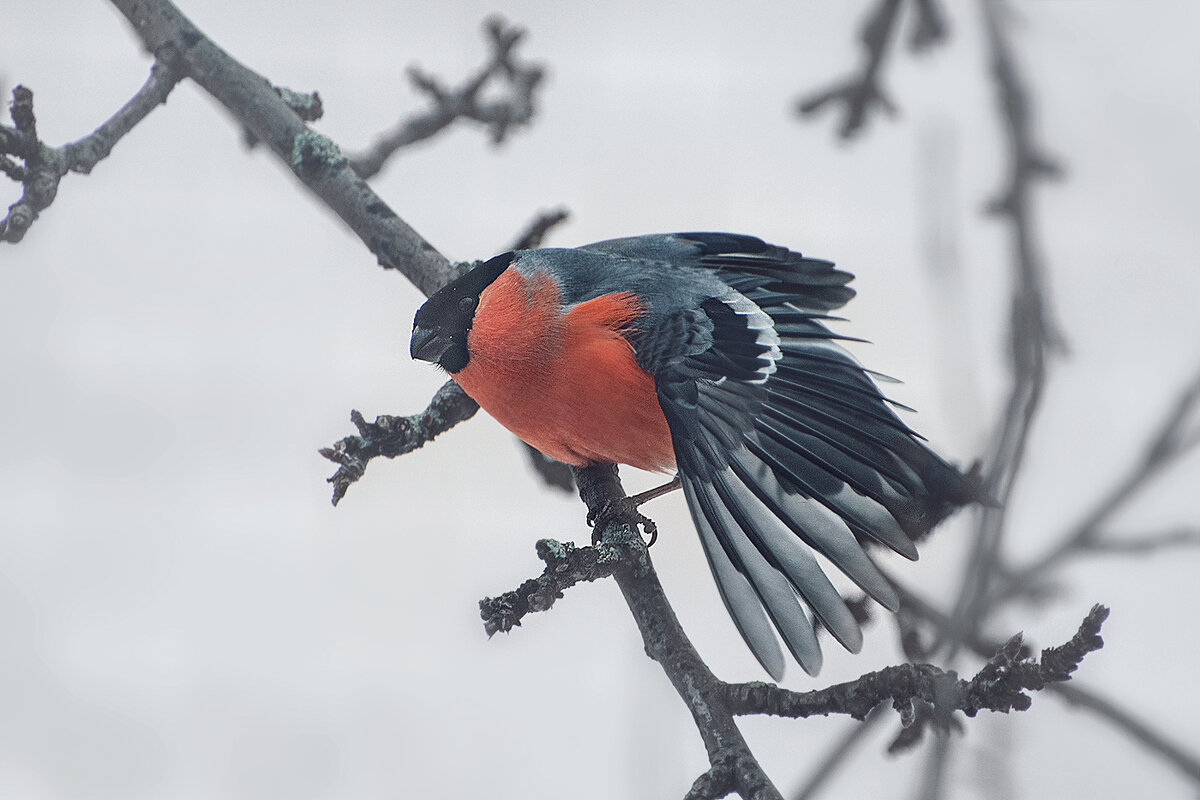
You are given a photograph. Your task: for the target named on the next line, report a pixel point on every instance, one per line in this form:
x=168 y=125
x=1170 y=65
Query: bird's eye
x=466 y=303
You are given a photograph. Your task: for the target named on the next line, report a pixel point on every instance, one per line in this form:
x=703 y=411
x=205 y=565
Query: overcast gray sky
x=183 y=614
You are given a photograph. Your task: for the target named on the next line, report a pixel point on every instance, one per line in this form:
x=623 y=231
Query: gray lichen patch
x=313 y=154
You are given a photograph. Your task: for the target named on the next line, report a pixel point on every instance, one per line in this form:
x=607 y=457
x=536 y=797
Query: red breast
x=567 y=384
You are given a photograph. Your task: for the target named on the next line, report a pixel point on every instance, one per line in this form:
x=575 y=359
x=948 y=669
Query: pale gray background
x=182 y=613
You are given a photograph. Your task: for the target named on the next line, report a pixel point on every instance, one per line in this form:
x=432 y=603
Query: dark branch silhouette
x=862 y=94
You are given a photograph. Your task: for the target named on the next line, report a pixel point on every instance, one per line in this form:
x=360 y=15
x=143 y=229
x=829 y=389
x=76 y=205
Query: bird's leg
x=628 y=507
x=657 y=491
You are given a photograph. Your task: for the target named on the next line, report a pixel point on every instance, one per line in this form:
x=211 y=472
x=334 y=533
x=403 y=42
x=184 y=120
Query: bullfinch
x=707 y=354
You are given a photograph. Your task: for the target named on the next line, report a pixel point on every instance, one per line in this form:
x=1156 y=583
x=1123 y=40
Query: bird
x=708 y=355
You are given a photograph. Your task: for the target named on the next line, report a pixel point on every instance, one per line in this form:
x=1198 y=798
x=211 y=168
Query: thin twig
x=519 y=81
x=1033 y=334
x=1125 y=723
x=44 y=167
x=1166 y=446
x=1144 y=544
x=566 y=565
x=837 y=755
x=390 y=436
x=535 y=232
x=861 y=93
x=1131 y=726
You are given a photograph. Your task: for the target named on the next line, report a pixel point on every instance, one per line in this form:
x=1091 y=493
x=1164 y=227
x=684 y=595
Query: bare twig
x=518 y=80
x=930 y=28
x=535 y=233
x=43 y=166
x=1144 y=544
x=839 y=753
x=1033 y=334
x=1157 y=742
x=1170 y=441
x=861 y=94
x=393 y=436
x=1131 y=726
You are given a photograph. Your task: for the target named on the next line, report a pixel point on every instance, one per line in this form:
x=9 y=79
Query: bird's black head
x=441 y=325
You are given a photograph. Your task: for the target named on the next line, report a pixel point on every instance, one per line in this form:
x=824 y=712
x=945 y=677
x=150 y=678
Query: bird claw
x=625 y=509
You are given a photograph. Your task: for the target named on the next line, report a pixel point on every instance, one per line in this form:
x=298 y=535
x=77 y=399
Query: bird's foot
x=626 y=509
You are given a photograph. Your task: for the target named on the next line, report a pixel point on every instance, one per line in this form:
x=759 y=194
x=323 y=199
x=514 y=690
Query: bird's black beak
x=426 y=345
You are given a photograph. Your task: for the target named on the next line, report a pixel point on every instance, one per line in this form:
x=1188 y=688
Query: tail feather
x=821 y=528
x=740 y=598
x=779 y=545
x=773 y=590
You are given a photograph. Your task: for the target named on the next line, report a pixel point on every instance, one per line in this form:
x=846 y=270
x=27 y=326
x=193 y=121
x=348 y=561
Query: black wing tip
x=716 y=243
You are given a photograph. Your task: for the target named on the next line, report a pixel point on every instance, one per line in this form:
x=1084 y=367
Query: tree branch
x=1033 y=334
x=537 y=229
x=1124 y=722
x=314 y=159
x=839 y=754
x=1001 y=684
x=1132 y=727
x=519 y=81
x=390 y=436
x=733 y=766
x=861 y=94
x=45 y=166
x=1169 y=442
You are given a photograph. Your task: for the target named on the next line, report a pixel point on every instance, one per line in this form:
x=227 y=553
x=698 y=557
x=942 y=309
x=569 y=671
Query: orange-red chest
x=565 y=383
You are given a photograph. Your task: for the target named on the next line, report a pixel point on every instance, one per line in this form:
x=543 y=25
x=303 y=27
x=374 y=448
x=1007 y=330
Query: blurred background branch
x=986 y=583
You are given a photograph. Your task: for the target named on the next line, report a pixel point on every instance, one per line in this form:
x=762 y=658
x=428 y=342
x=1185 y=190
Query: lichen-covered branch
x=390 y=436
x=1001 y=684
x=925 y=695
x=42 y=167
x=518 y=82
x=733 y=767
x=566 y=565
x=314 y=159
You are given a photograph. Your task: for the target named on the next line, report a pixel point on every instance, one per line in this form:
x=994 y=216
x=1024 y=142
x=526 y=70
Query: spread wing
x=784 y=444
